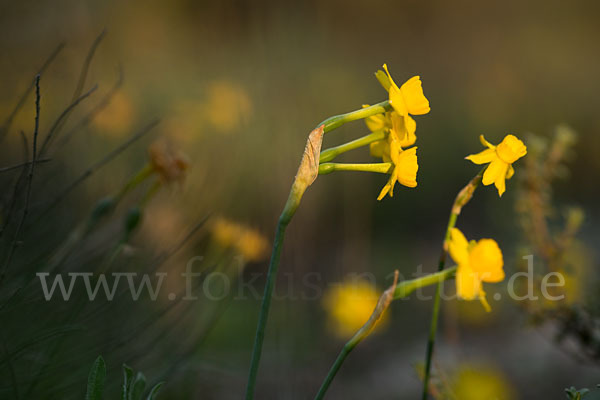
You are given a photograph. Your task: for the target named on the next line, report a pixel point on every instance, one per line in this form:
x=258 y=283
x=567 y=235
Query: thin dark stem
x=463 y=197
x=63 y=117
x=99 y=164
x=94 y=111
x=61 y=121
x=86 y=65
x=348 y=347
x=266 y=303
x=17 y=185
x=6 y=126
x=23 y=164
x=15 y=242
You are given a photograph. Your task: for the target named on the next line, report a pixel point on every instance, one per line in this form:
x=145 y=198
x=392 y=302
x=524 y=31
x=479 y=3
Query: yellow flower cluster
x=400 y=127
x=252 y=245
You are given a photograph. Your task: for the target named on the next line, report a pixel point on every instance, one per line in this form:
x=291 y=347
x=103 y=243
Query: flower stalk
x=307 y=173
x=462 y=198
x=381 y=168
x=330 y=154
x=396 y=291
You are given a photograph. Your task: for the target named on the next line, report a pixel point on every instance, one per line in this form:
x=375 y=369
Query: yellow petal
x=510 y=172
x=496 y=168
x=377 y=122
x=396 y=98
x=511 y=149
x=389 y=186
x=407 y=167
x=414 y=99
x=500 y=183
x=483 y=301
x=458 y=247
x=404 y=128
x=484 y=157
x=392 y=83
x=468 y=286
x=485 y=259
x=378 y=148
x=485 y=142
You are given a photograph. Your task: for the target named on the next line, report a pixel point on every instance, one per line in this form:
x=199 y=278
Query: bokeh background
x=237 y=86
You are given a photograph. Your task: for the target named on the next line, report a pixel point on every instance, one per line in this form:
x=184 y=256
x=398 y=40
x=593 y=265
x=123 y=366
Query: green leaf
x=95 y=384
x=127 y=379
x=154 y=391
x=137 y=388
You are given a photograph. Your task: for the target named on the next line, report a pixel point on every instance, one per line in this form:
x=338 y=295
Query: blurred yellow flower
x=169 y=165
x=349 y=305
x=252 y=245
x=500 y=158
x=227 y=107
x=477 y=262
x=480 y=383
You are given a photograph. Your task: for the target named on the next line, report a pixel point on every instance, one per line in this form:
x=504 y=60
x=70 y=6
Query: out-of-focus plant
x=133 y=388
x=43 y=339
x=471 y=381
x=576 y=394
x=553 y=241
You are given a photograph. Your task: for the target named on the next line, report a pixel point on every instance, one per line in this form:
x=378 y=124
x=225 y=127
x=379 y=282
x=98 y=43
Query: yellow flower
x=349 y=305
x=408 y=99
x=500 y=158
x=169 y=165
x=404 y=162
x=477 y=262
x=252 y=245
x=480 y=383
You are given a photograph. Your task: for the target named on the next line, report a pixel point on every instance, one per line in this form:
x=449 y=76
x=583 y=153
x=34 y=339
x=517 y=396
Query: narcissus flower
x=407 y=100
x=169 y=165
x=404 y=162
x=500 y=158
x=477 y=262
x=400 y=129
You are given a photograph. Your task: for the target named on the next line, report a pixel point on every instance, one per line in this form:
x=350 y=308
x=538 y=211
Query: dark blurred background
x=238 y=85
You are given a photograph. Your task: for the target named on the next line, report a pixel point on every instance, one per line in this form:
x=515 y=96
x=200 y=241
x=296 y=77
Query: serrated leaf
x=95 y=384
x=127 y=379
x=137 y=388
x=154 y=391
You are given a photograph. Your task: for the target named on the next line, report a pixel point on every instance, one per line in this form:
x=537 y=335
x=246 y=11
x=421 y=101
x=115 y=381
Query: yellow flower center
x=511 y=149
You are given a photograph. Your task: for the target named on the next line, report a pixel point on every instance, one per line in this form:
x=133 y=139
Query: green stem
x=403 y=289
x=382 y=168
x=463 y=197
x=336 y=121
x=133 y=182
x=330 y=154
x=304 y=178
x=285 y=218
